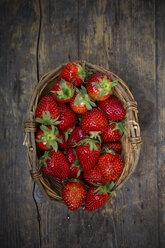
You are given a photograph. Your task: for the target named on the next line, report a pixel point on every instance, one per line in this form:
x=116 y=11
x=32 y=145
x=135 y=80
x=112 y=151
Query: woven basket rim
x=30 y=127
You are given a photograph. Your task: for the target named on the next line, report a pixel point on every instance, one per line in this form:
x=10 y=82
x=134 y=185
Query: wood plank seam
x=78 y=33
x=37 y=66
x=157 y=112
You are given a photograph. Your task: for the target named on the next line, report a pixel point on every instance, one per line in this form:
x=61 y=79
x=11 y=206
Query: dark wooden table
x=127 y=37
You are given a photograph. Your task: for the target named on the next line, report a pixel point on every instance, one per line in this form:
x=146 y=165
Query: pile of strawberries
x=81 y=123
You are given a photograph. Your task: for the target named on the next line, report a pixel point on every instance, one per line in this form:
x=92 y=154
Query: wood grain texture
x=126 y=37
x=59 y=34
x=18 y=36
x=119 y=35
x=160 y=80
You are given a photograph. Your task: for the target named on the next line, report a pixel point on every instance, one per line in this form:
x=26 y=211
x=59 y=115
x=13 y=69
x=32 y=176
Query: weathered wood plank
x=59 y=33
x=119 y=35
x=58 y=44
x=160 y=80
x=18 y=36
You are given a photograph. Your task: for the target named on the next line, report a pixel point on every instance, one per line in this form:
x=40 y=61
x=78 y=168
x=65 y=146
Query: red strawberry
x=114 y=132
x=100 y=87
x=71 y=155
x=94 y=176
x=94 y=121
x=67 y=117
x=81 y=101
x=47 y=110
x=75 y=172
x=116 y=146
x=47 y=137
x=54 y=164
x=76 y=135
x=113 y=109
x=75 y=169
x=64 y=142
x=97 y=196
x=62 y=181
x=88 y=153
x=62 y=91
x=74 y=194
x=110 y=165
x=74 y=72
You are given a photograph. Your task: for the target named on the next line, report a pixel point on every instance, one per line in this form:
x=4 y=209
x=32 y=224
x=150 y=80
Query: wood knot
x=30 y=126
x=36 y=175
x=132 y=105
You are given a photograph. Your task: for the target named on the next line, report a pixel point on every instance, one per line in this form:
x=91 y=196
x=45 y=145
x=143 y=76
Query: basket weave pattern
x=50 y=186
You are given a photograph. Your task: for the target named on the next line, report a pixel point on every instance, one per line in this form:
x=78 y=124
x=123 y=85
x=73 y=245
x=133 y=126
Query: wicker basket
x=50 y=186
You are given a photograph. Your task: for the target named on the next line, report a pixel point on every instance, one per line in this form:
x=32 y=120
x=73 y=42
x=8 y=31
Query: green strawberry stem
x=119 y=126
x=77 y=163
x=46 y=119
x=107 y=150
x=75 y=180
x=105 y=85
x=49 y=136
x=91 y=142
x=65 y=92
x=83 y=72
x=83 y=97
x=67 y=133
x=43 y=158
x=96 y=136
x=104 y=188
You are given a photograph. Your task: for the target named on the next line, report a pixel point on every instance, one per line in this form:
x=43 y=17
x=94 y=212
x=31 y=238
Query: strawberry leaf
x=43 y=159
x=101 y=80
x=55 y=146
x=93 y=104
x=66 y=135
x=88 y=106
x=78 y=173
x=59 y=140
x=95 y=147
x=44 y=128
x=101 y=93
x=97 y=85
x=114 y=83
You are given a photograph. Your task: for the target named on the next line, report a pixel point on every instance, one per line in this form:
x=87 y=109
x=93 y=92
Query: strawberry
x=63 y=145
x=114 y=132
x=71 y=155
x=97 y=196
x=75 y=172
x=62 y=91
x=75 y=169
x=94 y=121
x=47 y=110
x=76 y=135
x=88 y=152
x=113 y=108
x=62 y=181
x=116 y=146
x=67 y=117
x=74 y=72
x=110 y=165
x=100 y=87
x=54 y=164
x=81 y=101
x=47 y=137
x=74 y=194
x=94 y=176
